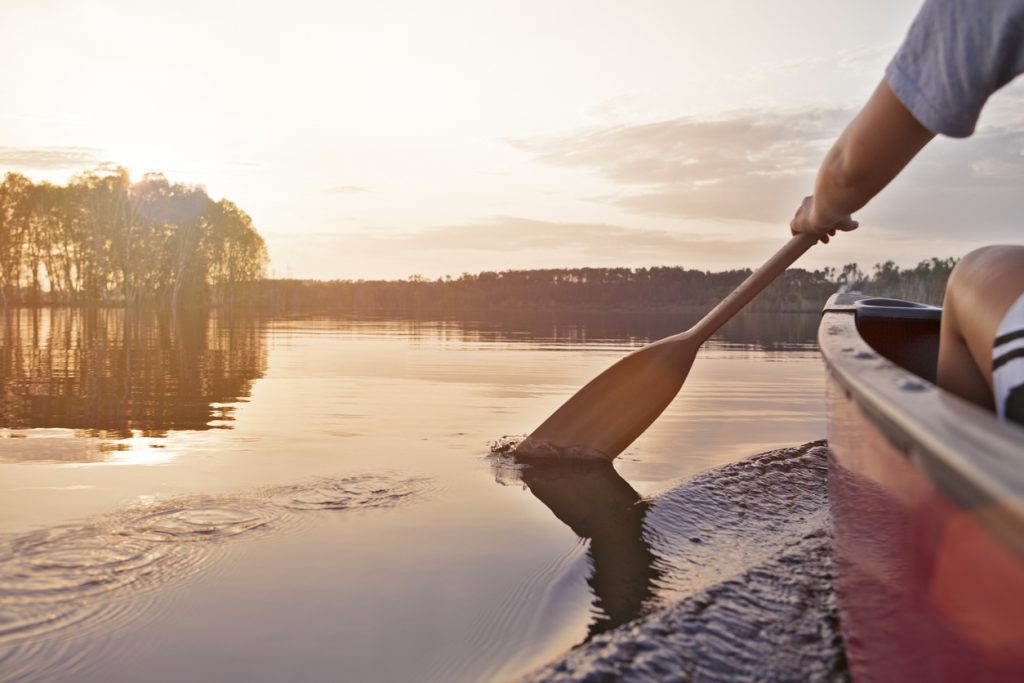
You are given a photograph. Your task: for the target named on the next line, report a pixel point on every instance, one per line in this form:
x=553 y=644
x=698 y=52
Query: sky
x=393 y=138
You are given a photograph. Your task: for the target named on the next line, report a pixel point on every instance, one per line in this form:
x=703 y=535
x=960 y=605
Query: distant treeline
x=103 y=239
x=610 y=289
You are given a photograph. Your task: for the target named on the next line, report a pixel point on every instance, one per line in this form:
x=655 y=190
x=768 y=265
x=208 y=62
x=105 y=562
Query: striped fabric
x=1008 y=364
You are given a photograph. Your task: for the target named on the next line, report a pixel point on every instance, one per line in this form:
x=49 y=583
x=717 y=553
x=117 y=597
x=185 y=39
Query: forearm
x=844 y=184
x=872 y=150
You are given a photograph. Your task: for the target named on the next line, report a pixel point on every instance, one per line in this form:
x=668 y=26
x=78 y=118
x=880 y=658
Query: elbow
x=842 y=177
x=843 y=184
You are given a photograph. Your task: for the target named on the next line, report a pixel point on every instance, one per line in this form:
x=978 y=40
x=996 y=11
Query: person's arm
x=872 y=150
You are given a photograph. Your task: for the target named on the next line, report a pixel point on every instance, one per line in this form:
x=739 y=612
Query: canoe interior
x=910 y=342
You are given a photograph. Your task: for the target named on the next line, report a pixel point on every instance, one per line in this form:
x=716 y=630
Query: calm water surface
x=313 y=499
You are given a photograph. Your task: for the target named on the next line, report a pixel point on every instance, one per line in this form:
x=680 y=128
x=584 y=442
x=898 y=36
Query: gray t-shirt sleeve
x=956 y=54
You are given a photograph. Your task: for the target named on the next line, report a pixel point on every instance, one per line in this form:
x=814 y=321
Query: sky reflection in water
x=465 y=580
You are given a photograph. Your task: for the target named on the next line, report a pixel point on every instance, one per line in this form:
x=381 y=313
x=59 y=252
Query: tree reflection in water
x=114 y=373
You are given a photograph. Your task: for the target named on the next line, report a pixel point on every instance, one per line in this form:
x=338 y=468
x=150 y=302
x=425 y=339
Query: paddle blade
x=610 y=412
x=605 y=416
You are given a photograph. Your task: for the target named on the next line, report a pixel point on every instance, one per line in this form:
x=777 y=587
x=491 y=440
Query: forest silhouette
x=597 y=289
x=103 y=240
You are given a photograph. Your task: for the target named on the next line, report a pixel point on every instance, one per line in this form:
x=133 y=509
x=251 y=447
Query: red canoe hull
x=929 y=568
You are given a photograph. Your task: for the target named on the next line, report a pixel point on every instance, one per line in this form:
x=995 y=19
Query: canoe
x=927 y=499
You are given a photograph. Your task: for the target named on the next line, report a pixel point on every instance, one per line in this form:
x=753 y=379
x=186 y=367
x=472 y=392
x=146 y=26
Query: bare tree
x=15 y=214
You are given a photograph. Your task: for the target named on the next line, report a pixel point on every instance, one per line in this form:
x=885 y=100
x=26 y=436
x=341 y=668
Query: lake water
x=316 y=499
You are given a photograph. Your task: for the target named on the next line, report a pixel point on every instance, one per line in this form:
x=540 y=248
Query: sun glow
x=423 y=109
x=138 y=161
x=139 y=450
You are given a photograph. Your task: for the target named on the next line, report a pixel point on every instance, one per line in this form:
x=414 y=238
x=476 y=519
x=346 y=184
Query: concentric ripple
x=58 y=580
x=187 y=524
x=89 y=564
x=66 y=581
x=363 y=492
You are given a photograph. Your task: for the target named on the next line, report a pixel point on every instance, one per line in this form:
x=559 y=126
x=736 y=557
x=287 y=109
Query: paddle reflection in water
x=597 y=504
x=743 y=582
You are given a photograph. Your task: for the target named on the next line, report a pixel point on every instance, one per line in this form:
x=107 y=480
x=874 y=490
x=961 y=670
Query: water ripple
x=362 y=492
x=65 y=581
x=744 y=583
x=732 y=518
x=187 y=524
x=776 y=622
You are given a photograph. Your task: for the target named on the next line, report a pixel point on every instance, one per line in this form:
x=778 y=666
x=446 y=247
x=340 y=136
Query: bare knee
x=959 y=371
x=985 y=282
x=973 y=274
x=980 y=290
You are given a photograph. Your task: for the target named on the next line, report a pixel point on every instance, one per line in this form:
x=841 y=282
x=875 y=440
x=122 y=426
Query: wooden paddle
x=610 y=412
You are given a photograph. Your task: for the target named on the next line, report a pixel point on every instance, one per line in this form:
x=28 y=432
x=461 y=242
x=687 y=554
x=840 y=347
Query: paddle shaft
x=752 y=286
x=614 y=408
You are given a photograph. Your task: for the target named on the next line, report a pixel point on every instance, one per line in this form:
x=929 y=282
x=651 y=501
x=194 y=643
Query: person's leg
x=980 y=291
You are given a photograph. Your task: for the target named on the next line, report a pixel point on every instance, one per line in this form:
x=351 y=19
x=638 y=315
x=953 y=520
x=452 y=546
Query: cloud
x=756 y=165
x=506 y=242
x=50 y=158
x=967 y=190
x=866 y=56
x=746 y=166
x=346 y=189
x=512 y=233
